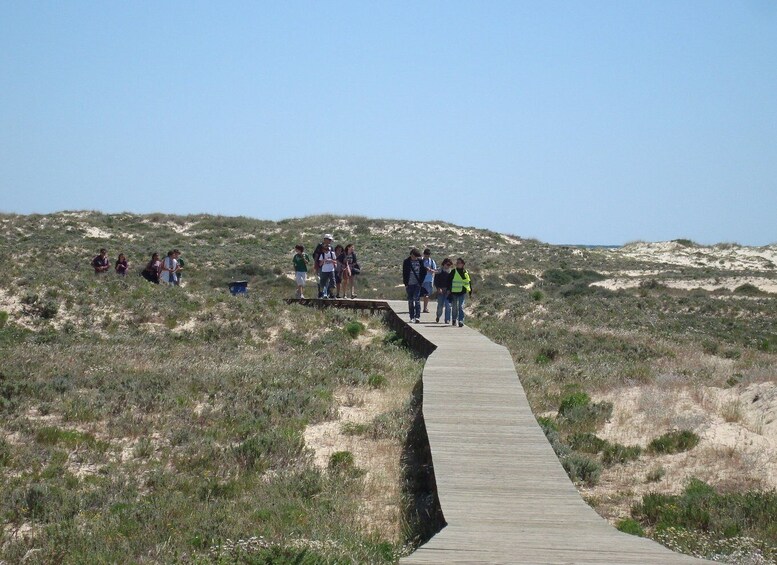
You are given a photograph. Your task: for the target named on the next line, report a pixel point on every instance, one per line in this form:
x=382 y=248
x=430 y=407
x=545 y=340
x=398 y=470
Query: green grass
x=675 y=441
x=708 y=515
x=152 y=440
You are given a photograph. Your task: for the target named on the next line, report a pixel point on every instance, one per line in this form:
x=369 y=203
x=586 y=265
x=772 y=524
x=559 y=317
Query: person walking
x=442 y=282
x=461 y=286
x=327 y=262
x=340 y=255
x=325 y=240
x=350 y=270
x=426 y=287
x=300 y=261
x=413 y=275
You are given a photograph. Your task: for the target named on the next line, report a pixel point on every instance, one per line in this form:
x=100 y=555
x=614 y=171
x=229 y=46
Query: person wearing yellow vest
x=461 y=286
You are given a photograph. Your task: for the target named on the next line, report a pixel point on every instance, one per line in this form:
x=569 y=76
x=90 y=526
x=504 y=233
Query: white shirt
x=328 y=266
x=169 y=266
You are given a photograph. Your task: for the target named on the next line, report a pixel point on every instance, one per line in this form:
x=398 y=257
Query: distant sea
x=589 y=246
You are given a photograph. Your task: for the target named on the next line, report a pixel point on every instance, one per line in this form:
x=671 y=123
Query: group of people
x=335 y=269
x=168 y=270
x=422 y=277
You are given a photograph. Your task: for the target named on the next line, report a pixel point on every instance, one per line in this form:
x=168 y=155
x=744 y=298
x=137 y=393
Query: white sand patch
x=380 y=459
x=10 y=303
x=97 y=233
x=511 y=240
x=728 y=257
x=181 y=229
x=739 y=421
x=21 y=531
x=445 y=231
x=725 y=283
x=188 y=326
x=737 y=449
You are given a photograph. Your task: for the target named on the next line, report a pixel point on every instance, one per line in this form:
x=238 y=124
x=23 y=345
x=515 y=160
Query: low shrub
x=5 y=453
x=616 y=453
x=700 y=508
x=577 y=411
x=675 y=441
x=630 y=526
x=655 y=475
x=341 y=461
x=354 y=328
x=587 y=442
x=748 y=289
x=547 y=423
x=376 y=381
x=572 y=401
x=581 y=468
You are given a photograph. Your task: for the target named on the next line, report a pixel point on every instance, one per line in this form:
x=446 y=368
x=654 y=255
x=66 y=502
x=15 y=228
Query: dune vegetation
x=143 y=423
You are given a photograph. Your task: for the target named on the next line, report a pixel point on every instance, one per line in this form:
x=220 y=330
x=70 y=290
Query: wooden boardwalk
x=503 y=492
x=504 y=495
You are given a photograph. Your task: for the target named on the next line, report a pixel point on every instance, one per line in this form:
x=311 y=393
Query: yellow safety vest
x=458 y=284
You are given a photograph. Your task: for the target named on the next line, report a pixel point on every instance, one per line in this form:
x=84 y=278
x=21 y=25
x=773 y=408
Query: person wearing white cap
x=326 y=240
x=327 y=262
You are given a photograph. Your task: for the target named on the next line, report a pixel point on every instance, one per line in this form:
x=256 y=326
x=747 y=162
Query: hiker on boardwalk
x=326 y=240
x=461 y=286
x=327 y=261
x=442 y=282
x=121 y=265
x=151 y=272
x=426 y=287
x=100 y=263
x=301 y=262
x=413 y=275
x=351 y=268
x=340 y=255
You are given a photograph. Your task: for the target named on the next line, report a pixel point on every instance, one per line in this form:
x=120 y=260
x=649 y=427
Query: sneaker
x=417 y=320
x=453 y=323
x=338 y=297
x=461 y=324
x=426 y=311
x=302 y=296
x=437 y=320
x=353 y=295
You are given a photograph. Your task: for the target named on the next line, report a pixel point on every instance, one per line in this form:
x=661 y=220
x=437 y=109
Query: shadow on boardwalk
x=423 y=511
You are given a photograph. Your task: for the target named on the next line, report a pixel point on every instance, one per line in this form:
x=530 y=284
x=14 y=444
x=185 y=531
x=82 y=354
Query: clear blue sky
x=573 y=122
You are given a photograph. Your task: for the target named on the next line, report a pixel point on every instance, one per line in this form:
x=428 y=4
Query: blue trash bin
x=238 y=287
